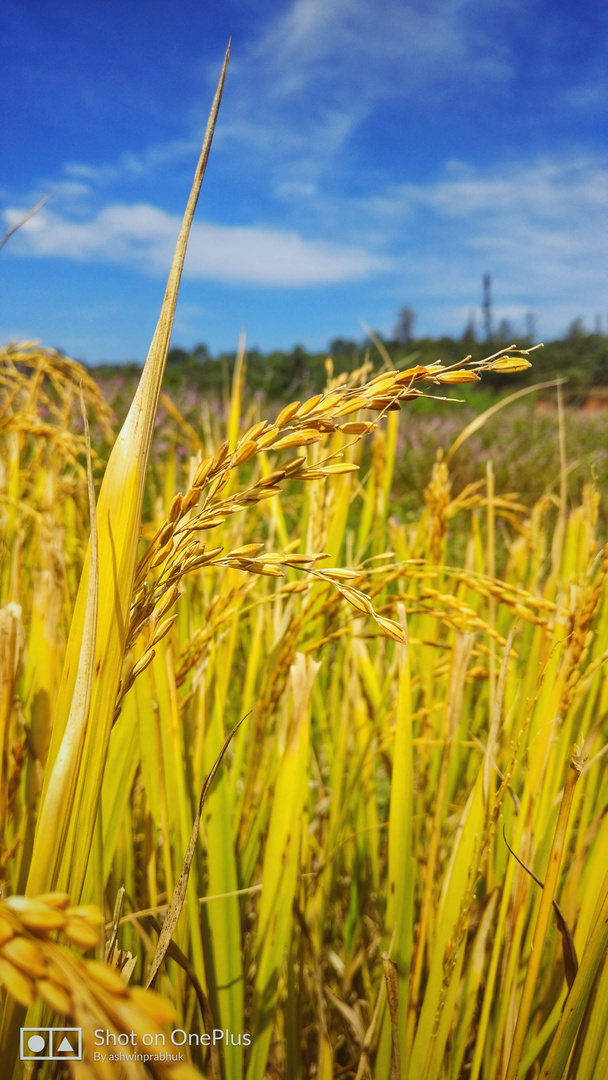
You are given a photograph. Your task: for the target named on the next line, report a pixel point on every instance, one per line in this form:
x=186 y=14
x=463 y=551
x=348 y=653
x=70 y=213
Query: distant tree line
x=579 y=356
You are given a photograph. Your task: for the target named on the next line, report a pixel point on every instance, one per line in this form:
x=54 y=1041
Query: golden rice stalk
x=179 y=894
x=11 y=634
x=542 y=923
x=89 y=994
x=306 y=424
x=280 y=868
x=26 y=372
x=72 y=794
x=581 y=994
x=51 y=834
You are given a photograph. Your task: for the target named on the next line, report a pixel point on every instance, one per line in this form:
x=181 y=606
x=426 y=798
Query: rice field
x=278 y=746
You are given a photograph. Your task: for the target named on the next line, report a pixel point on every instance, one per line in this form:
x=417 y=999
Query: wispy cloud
x=143 y=237
x=310 y=39
x=300 y=93
x=530 y=211
x=155 y=157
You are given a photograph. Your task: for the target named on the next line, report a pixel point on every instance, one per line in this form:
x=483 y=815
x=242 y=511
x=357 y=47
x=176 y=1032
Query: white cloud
x=536 y=226
x=546 y=189
x=539 y=224
x=143 y=237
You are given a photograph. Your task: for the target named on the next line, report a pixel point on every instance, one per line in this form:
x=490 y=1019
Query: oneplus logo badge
x=51 y=1044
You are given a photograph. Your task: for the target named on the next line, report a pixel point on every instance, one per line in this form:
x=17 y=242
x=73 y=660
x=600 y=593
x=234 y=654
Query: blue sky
x=369 y=154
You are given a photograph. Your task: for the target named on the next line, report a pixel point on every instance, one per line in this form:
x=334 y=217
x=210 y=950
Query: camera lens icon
x=36 y=1044
x=51 y=1044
